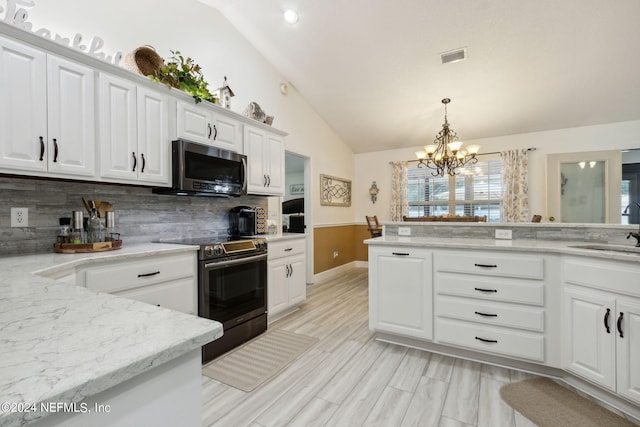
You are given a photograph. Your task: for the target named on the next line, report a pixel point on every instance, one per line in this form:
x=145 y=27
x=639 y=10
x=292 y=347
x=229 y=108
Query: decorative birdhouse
x=224 y=94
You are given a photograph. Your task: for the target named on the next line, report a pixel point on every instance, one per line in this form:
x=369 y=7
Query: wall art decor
x=334 y=191
x=296 y=189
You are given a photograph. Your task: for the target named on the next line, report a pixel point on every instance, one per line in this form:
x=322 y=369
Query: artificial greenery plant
x=184 y=74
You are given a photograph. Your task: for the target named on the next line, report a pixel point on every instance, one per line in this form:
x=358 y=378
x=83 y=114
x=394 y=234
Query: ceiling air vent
x=454 y=55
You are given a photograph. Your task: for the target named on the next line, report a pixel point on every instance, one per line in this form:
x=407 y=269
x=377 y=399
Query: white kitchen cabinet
x=199 y=123
x=286 y=278
x=601 y=324
x=265 y=159
x=134 y=132
x=589 y=344
x=47 y=116
x=400 y=291
x=167 y=280
x=492 y=302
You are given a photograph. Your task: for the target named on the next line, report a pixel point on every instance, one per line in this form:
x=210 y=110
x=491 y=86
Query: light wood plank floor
x=350 y=379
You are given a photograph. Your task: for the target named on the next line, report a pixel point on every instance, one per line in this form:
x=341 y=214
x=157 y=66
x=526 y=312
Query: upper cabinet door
x=274 y=157
x=23 y=107
x=194 y=123
x=227 y=133
x=70 y=99
x=254 y=140
x=118 y=137
x=153 y=136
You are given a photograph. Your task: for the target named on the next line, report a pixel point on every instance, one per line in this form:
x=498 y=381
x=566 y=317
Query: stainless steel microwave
x=202 y=170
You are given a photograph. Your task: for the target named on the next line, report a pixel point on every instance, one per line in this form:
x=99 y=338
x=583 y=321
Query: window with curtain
x=475 y=191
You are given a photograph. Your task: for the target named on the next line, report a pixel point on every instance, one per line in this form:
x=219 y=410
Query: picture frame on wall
x=334 y=191
x=296 y=189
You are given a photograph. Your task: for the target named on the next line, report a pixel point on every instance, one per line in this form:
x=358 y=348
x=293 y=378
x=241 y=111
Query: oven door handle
x=221 y=264
x=244 y=175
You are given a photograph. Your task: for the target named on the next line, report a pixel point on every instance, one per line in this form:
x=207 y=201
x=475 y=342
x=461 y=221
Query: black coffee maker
x=244 y=221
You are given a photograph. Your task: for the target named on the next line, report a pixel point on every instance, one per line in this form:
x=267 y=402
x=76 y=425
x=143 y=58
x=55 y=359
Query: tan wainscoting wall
x=345 y=239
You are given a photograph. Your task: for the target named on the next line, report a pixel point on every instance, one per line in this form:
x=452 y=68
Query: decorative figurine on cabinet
x=224 y=94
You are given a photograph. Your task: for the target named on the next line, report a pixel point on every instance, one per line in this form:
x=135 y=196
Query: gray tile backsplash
x=566 y=232
x=141 y=216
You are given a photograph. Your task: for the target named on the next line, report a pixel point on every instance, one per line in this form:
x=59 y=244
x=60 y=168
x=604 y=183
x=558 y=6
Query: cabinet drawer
x=604 y=275
x=491 y=288
x=284 y=248
x=132 y=274
x=499 y=341
x=491 y=264
x=498 y=314
x=176 y=295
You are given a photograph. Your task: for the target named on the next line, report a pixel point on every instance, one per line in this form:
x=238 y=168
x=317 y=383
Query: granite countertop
x=540 y=246
x=61 y=343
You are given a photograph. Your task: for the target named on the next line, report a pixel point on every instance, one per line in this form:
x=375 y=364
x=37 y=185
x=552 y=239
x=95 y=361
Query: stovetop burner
x=212 y=248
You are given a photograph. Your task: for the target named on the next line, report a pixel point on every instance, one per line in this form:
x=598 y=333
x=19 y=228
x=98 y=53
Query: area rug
x=548 y=404
x=250 y=365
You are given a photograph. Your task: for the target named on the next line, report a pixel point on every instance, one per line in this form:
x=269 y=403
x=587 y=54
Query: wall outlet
x=503 y=234
x=19 y=217
x=335 y=254
x=404 y=231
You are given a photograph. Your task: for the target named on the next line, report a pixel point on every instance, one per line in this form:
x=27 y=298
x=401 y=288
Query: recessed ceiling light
x=290 y=16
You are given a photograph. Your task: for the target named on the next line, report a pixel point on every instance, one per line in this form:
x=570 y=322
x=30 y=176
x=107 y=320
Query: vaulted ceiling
x=372 y=68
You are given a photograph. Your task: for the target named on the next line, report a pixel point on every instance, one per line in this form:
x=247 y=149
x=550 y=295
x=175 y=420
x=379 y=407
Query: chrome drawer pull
x=400 y=254
x=486 y=265
x=486 y=340
x=485 y=290
x=148 y=274
x=485 y=314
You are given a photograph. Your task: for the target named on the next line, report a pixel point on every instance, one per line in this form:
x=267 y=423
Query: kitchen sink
x=612 y=248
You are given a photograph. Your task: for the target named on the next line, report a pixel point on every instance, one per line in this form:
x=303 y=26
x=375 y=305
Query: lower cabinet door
x=277 y=286
x=297 y=280
x=401 y=285
x=628 y=348
x=176 y=295
x=588 y=335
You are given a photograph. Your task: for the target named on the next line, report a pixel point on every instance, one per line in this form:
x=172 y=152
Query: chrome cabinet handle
x=55 y=150
x=41 y=148
x=606 y=320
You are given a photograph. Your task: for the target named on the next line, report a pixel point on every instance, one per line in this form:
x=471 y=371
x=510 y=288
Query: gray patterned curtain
x=515 y=185
x=399 y=201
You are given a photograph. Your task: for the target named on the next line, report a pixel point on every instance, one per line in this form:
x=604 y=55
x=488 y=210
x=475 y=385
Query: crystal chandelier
x=445 y=155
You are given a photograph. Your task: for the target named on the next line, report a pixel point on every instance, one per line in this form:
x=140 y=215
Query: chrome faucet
x=635 y=235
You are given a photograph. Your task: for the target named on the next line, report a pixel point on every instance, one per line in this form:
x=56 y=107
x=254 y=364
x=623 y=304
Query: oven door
x=233 y=291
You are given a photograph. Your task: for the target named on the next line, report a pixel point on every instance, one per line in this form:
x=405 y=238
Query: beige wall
x=375 y=166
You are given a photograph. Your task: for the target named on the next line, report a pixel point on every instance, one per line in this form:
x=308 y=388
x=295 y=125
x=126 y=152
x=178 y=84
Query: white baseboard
x=328 y=274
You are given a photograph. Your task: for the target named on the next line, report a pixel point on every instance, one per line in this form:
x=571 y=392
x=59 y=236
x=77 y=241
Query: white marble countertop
x=540 y=246
x=61 y=343
x=284 y=236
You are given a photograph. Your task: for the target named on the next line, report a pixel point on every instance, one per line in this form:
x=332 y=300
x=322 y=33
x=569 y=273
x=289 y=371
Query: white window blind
x=475 y=191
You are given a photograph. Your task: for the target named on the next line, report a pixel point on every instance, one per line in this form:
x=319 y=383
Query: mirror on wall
x=585 y=187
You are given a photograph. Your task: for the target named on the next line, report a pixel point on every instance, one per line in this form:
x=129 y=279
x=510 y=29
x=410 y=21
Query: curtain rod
x=479 y=154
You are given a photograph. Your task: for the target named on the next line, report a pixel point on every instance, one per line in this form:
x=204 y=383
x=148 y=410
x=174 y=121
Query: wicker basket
x=143 y=60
